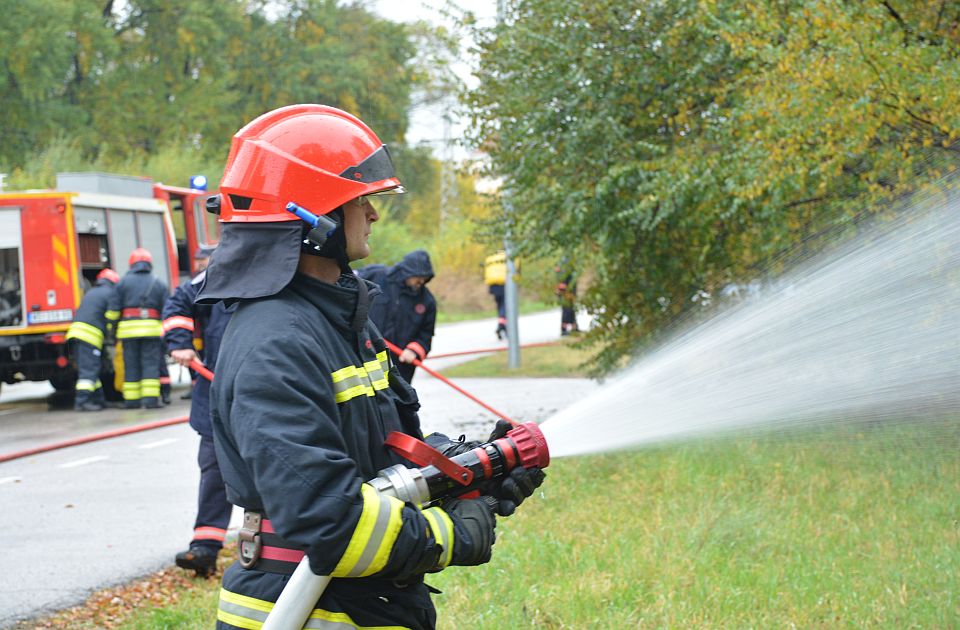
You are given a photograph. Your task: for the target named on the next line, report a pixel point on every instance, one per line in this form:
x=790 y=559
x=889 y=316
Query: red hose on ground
x=397 y=351
x=92 y=438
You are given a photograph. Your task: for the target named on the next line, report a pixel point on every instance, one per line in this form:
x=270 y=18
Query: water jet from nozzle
x=867 y=332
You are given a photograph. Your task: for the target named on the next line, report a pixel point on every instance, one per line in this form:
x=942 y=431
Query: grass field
x=561 y=360
x=852 y=527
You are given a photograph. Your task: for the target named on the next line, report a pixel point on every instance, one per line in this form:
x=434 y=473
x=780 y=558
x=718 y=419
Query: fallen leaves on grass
x=110 y=607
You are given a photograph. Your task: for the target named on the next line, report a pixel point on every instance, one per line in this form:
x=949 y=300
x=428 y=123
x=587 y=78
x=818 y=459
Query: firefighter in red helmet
x=139 y=299
x=87 y=334
x=305 y=392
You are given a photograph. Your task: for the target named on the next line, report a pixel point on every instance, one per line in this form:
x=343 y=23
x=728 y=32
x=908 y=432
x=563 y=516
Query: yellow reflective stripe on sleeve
x=350 y=382
x=378 y=380
x=112 y=315
x=248 y=612
x=87 y=333
x=384 y=361
x=442 y=528
x=129 y=328
x=374 y=536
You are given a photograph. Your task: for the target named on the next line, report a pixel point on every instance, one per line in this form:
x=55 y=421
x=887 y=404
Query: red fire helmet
x=316 y=156
x=140 y=255
x=109 y=274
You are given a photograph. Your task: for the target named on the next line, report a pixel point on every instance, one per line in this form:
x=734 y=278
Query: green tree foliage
x=130 y=79
x=674 y=146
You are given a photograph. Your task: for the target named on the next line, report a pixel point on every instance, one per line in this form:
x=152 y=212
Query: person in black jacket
x=305 y=392
x=405 y=312
x=140 y=298
x=192 y=332
x=91 y=327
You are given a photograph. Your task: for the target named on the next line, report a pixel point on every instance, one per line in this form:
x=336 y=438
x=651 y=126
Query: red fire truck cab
x=53 y=244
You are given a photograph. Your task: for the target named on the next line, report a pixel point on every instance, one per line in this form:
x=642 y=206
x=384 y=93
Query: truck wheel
x=64 y=381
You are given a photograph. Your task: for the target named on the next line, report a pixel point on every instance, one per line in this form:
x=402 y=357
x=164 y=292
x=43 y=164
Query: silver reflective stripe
x=323 y=624
x=242 y=611
x=376 y=377
x=376 y=538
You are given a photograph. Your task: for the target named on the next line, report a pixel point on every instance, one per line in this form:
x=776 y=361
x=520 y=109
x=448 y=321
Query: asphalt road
x=103 y=513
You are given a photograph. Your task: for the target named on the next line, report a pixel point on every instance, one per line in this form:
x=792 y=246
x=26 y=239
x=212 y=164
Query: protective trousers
x=213 y=509
x=87 y=356
x=141 y=378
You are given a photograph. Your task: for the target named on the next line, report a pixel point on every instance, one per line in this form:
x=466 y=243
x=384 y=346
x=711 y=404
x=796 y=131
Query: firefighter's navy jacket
x=140 y=298
x=97 y=311
x=302 y=405
x=187 y=325
x=405 y=316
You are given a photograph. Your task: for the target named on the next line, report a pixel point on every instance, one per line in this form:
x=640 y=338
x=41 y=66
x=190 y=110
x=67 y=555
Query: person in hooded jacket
x=193 y=332
x=91 y=328
x=405 y=312
x=140 y=298
x=305 y=392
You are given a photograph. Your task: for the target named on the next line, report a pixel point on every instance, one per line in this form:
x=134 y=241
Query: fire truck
x=54 y=242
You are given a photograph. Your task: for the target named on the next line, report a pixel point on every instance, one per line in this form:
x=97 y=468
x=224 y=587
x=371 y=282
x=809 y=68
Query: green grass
x=848 y=529
x=561 y=360
x=853 y=527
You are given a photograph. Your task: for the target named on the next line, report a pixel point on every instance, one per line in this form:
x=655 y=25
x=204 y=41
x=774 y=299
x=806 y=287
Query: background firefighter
x=140 y=298
x=495 y=276
x=406 y=311
x=306 y=393
x=88 y=333
x=566 y=292
x=193 y=332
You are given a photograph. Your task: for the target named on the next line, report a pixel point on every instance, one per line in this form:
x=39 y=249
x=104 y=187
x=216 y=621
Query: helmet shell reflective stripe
x=109 y=274
x=308 y=154
x=140 y=255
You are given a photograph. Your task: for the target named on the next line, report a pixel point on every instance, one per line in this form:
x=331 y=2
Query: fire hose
x=417 y=362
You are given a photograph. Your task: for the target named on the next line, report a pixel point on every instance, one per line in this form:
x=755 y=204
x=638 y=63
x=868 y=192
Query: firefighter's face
x=358 y=218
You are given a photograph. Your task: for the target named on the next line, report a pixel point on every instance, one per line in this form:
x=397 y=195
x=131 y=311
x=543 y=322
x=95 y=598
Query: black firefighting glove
x=448 y=447
x=474 y=532
x=515 y=487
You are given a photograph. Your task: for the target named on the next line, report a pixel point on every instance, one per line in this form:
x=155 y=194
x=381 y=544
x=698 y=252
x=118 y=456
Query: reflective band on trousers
x=353 y=381
x=150 y=387
x=132 y=328
x=442 y=528
x=86 y=385
x=86 y=333
x=373 y=539
x=248 y=612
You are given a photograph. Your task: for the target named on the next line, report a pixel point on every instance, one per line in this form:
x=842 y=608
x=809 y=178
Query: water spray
x=437 y=478
x=867 y=331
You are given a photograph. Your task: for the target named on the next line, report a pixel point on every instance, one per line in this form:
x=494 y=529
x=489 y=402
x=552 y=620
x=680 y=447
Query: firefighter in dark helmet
x=305 y=392
x=91 y=327
x=141 y=296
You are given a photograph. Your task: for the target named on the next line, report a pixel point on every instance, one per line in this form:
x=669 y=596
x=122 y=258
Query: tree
x=674 y=147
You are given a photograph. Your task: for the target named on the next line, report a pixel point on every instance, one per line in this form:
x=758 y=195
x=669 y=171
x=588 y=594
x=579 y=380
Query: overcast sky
x=424 y=125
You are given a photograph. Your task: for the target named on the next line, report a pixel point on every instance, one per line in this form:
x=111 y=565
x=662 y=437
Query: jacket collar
x=337 y=301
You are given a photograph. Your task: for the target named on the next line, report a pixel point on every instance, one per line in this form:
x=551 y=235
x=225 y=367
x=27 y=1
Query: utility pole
x=510 y=286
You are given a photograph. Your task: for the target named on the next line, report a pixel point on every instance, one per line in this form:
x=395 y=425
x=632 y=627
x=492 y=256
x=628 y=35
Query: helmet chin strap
x=335 y=247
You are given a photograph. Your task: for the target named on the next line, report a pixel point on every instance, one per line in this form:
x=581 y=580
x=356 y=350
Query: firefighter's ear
x=212 y=204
